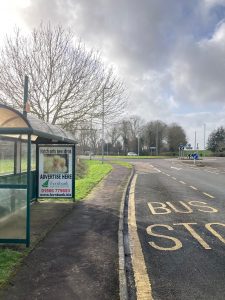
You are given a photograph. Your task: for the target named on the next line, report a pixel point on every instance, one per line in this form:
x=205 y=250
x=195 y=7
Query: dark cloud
x=143 y=33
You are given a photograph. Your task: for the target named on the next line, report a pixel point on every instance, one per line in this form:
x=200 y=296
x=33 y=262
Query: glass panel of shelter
x=13 y=187
x=13 y=205
x=13 y=161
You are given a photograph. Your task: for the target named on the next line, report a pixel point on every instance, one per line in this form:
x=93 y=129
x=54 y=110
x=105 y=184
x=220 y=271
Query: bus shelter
x=37 y=159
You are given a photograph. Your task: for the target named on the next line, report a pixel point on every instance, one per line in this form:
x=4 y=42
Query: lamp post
x=157 y=138
x=138 y=145
x=25 y=96
x=195 y=141
x=204 y=128
x=103 y=120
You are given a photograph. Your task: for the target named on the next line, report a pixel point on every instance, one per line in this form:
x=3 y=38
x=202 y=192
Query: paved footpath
x=78 y=259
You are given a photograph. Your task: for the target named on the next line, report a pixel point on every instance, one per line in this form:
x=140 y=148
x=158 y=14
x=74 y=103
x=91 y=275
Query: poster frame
x=72 y=146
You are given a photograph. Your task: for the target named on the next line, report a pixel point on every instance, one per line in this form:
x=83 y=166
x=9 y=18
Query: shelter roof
x=14 y=123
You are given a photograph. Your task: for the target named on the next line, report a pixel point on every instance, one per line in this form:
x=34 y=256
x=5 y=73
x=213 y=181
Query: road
x=177 y=230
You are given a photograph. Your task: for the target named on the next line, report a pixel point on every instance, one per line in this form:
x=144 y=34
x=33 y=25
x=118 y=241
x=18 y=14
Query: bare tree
x=66 y=80
x=136 y=124
x=113 y=135
x=125 y=134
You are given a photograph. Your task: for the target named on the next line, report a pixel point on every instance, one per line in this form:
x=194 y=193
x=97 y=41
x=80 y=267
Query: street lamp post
x=138 y=145
x=204 y=127
x=157 y=138
x=103 y=121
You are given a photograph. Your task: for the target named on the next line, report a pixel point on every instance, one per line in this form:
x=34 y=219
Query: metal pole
x=103 y=121
x=204 y=137
x=91 y=139
x=28 y=190
x=25 y=95
x=195 y=140
x=157 y=138
x=138 y=145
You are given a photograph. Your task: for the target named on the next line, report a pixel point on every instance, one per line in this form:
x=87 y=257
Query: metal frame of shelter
x=19 y=128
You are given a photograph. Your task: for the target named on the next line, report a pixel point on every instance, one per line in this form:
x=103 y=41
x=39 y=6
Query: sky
x=170 y=53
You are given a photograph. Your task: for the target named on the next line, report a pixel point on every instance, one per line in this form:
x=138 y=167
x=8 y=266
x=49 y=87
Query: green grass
x=91 y=172
x=133 y=157
x=81 y=169
x=7 y=166
x=9 y=260
x=95 y=173
x=121 y=163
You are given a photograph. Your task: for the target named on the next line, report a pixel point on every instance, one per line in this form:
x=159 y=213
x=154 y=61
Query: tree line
x=69 y=85
x=132 y=135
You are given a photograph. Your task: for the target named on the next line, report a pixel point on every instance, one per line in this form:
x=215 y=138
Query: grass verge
x=133 y=157
x=9 y=260
x=90 y=173
x=95 y=173
x=121 y=163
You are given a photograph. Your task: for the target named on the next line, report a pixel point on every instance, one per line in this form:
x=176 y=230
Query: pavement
x=78 y=258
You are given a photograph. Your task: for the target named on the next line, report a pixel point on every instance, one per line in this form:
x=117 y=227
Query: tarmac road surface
x=177 y=230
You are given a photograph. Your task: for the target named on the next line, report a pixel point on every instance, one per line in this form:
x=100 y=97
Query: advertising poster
x=55 y=171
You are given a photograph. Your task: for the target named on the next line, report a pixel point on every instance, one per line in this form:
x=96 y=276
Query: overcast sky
x=170 y=53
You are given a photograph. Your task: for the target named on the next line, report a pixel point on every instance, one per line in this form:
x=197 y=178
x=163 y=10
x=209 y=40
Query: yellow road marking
x=208 y=195
x=142 y=283
x=213 y=231
x=182 y=182
x=174 y=178
x=193 y=187
x=195 y=234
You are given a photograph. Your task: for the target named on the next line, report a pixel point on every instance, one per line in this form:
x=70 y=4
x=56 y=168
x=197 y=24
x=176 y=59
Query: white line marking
x=208 y=195
x=167 y=174
x=174 y=178
x=157 y=170
x=212 y=172
x=176 y=168
x=182 y=182
x=193 y=187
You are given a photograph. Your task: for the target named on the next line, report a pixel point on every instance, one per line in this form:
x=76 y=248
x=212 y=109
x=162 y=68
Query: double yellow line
x=142 y=283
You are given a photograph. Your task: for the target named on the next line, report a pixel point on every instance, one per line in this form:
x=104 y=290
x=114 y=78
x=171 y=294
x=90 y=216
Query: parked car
x=131 y=154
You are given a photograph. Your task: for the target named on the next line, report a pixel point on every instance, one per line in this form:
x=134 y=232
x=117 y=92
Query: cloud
x=171 y=53
x=199 y=69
